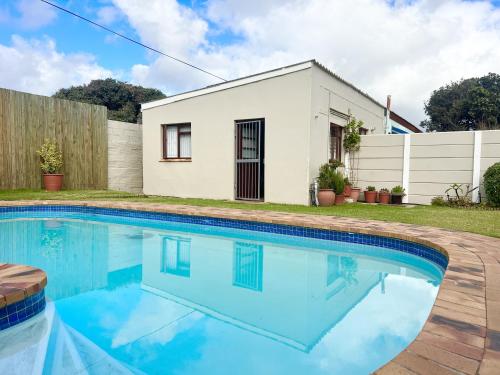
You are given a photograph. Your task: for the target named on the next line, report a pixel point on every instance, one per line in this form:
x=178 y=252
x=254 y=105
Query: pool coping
x=462 y=332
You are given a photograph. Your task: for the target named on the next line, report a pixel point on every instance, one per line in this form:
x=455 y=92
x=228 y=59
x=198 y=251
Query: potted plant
x=347 y=187
x=326 y=196
x=338 y=186
x=370 y=194
x=384 y=196
x=398 y=192
x=352 y=143
x=51 y=163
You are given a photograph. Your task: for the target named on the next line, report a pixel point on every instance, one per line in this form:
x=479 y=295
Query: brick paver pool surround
x=462 y=333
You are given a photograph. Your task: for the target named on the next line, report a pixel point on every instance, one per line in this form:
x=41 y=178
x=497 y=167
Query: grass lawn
x=485 y=222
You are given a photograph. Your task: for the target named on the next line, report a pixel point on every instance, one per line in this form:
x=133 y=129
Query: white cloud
x=31 y=14
x=37 y=67
x=406 y=49
x=108 y=14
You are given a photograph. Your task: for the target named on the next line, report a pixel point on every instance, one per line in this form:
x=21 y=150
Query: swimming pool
x=133 y=292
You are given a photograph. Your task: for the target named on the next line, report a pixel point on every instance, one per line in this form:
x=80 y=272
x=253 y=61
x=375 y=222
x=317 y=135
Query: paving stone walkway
x=462 y=333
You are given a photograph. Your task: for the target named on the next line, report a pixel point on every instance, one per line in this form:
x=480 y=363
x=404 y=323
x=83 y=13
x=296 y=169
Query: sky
x=405 y=48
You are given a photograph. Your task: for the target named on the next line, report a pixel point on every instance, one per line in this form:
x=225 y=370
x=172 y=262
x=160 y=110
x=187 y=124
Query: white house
x=261 y=137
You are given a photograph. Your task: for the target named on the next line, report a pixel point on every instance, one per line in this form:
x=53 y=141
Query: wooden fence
x=79 y=129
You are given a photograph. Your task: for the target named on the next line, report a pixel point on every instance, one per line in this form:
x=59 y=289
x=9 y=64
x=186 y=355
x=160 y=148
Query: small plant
x=438 y=201
x=398 y=190
x=346 y=181
x=352 y=144
x=338 y=183
x=51 y=157
x=492 y=184
x=335 y=164
x=459 y=197
x=384 y=190
x=326 y=172
x=370 y=188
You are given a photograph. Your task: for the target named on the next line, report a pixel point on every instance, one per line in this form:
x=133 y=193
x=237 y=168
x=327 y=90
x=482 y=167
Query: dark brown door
x=249 y=184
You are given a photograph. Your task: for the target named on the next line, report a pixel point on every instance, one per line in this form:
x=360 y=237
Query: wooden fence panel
x=79 y=129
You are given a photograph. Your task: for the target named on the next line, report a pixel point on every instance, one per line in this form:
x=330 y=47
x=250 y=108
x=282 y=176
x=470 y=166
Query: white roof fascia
x=229 y=85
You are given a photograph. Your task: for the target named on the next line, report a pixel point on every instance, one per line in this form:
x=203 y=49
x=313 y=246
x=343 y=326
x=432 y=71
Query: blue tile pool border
x=23 y=310
x=414 y=248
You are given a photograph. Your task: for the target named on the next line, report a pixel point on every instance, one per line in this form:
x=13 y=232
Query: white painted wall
x=331 y=93
x=436 y=161
x=284 y=102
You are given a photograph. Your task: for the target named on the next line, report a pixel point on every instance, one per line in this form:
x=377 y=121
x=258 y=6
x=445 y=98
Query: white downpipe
x=476 y=168
x=406 y=166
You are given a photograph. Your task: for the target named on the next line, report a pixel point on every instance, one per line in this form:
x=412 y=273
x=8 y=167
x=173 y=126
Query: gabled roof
x=254 y=78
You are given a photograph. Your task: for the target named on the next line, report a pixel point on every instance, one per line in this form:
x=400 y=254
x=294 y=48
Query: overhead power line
x=132 y=40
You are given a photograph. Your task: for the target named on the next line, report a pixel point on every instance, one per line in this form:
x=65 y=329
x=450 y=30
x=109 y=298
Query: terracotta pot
x=384 y=198
x=339 y=199
x=326 y=197
x=53 y=182
x=397 y=199
x=355 y=194
x=370 y=196
x=347 y=190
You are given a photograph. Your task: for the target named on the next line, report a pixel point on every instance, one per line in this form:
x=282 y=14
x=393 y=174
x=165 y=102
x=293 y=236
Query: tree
x=470 y=104
x=123 y=100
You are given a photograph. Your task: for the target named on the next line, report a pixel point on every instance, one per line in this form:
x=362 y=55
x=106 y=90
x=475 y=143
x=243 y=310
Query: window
x=335 y=142
x=177 y=141
x=363 y=131
x=175 y=258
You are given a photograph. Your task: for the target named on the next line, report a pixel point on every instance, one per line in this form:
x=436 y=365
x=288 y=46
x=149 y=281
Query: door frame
x=261 y=158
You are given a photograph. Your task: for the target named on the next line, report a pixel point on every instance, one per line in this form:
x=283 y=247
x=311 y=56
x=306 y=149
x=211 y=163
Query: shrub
x=338 y=183
x=492 y=184
x=326 y=172
x=384 y=190
x=370 y=188
x=398 y=190
x=334 y=164
x=438 y=201
x=51 y=157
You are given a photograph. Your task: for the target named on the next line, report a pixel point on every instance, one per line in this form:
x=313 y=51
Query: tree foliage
x=123 y=100
x=470 y=104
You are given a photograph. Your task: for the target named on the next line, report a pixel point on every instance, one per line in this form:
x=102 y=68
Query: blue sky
x=399 y=47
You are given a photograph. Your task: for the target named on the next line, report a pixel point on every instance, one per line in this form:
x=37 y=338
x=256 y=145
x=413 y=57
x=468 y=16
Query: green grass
x=485 y=222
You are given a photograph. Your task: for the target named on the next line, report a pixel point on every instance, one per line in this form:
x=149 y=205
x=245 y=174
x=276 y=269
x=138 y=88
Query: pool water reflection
x=139 y=296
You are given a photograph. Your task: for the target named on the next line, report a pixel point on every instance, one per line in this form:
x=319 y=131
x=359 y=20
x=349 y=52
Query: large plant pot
x=53 y=182
x=326 y=197
x=347 y=190
x=384 y=198
x=355 y=194
x=370 y=196
x=397 y=199
x=339 y=199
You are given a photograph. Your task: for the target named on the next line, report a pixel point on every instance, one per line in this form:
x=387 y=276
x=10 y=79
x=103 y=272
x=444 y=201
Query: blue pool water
x=135 y=295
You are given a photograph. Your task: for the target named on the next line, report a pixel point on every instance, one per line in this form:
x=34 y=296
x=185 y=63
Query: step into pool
x=149 y=293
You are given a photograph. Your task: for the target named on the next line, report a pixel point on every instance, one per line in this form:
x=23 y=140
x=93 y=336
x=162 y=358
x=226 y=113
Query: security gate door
x=249 y=184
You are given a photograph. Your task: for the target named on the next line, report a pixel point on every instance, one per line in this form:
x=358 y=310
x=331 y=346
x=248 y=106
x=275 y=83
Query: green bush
x=492 y=184
x=325 y=178
x=438 y=201
x=370 y=188
x=338 y=183
x=51 y=157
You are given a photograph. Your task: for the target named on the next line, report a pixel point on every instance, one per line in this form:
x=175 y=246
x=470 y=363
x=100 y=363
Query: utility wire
x=132 y=40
